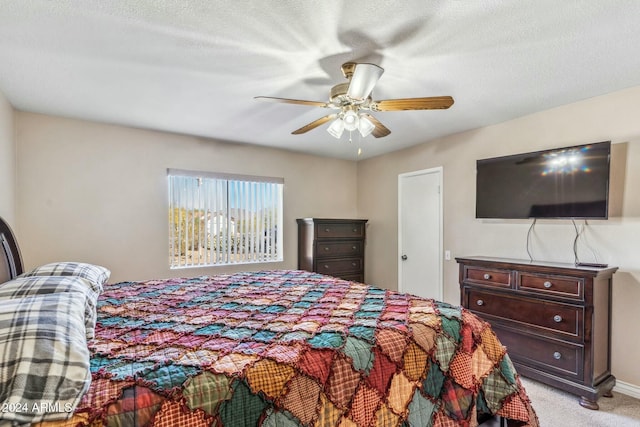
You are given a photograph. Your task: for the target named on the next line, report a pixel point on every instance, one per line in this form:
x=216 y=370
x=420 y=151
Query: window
x=222 y=219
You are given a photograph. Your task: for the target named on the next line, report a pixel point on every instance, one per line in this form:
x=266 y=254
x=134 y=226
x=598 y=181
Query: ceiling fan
x=353 y=103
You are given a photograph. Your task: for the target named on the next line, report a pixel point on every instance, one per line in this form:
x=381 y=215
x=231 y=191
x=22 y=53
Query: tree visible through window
x=219 y=219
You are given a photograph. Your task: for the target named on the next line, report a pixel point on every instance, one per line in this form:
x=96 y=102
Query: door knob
x=404 y=257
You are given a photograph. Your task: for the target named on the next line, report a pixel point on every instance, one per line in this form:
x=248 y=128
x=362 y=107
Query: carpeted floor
x=556 y=408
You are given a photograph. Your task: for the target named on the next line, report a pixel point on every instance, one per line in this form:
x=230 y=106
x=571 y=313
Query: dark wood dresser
x=332 y=246
x=554 y=319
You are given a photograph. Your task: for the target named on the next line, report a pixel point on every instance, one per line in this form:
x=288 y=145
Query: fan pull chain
x=351 y=141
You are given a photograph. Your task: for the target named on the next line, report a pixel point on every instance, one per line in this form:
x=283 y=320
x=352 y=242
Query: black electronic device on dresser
x=554 y=319
x=332 y=246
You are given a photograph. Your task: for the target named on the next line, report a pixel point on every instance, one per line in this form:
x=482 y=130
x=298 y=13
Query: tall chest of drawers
x=554 y=319
x=332 y=246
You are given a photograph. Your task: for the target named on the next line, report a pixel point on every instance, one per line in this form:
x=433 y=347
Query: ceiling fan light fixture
x=349 y=99
x=365 y=126
x=336 y=128
x=350 y=120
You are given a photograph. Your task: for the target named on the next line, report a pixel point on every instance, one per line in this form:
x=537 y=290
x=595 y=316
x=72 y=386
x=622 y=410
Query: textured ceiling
x=193 y=67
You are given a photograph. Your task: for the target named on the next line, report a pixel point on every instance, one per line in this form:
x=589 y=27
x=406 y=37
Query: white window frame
x=223 y=219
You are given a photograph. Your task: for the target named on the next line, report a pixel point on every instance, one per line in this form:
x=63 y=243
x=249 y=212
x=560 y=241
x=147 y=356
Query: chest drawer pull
x=326 y=248
x=487 y=276
x=480 y=302
x=547 y=284
x=326 y=266
x=557 y=355
x=326 y=230
x=355 y=264
x=557 y=318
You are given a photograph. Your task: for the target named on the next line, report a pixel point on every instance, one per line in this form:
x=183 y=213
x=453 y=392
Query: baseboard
x=627 y=388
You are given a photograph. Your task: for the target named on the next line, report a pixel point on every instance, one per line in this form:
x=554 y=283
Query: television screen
x=569 y=182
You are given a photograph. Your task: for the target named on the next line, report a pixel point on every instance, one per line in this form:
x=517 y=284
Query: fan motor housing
x=339 y=93
x=340 y=99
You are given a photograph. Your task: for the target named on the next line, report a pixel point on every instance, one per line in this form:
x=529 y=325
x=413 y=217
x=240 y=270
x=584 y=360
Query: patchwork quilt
x=291 y=348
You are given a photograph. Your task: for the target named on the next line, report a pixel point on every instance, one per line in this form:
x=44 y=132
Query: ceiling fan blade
x=429 y=103
x=314 y=124
x=294 y=101
x=365 y=77
x=380 y=129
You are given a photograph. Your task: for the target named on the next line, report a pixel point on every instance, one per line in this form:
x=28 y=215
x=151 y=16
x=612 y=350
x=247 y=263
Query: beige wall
x=617 y=240
x=7 y=162
x=98 y=193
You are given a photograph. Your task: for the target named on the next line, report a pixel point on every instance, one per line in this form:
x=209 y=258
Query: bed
x=268 y=348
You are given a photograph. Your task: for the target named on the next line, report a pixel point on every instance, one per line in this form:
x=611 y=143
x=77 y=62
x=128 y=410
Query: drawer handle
x=354 y=264
x=326 y=266
x=548 y=284
x=557 y=355
x=487 y=276
x=355 y=230
x=557 y=318
x=480 y=302
x=354 y=247
x=326 y=248
x=326 y=230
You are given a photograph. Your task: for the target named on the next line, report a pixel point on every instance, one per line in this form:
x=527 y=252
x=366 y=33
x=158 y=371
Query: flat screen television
x=569 y=182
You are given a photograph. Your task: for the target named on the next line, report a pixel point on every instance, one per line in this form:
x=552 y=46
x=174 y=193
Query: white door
x=420 y=233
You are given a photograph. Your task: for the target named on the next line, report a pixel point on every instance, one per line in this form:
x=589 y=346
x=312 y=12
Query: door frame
x=439 y=171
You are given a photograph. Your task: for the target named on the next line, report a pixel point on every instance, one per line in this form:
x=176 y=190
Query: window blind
x=222 y=219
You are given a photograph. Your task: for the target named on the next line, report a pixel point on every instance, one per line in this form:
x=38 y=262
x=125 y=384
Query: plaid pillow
x=23 y=287
x=95 y=274
x=44 y=368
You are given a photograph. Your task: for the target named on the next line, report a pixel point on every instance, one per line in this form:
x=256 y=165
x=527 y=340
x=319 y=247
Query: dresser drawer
x=549 y=355
x=339 y=248
x=339 y=230
x=561 y=286
x=548 y=316
x=343 y=265
x=488 y=276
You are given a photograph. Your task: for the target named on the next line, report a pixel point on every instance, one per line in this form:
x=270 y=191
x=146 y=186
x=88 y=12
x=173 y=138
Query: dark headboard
x=10 y=259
